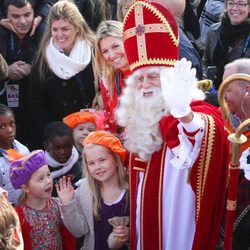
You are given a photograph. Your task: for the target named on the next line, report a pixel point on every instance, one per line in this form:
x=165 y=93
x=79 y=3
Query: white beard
x=140 y=115
x=143 y=135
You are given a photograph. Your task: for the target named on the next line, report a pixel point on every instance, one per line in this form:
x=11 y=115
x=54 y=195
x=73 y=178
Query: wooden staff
x=236 y=140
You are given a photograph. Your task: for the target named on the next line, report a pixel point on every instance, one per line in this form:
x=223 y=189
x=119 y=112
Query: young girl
x=38 y=212
x=101 y=196
x=7 y=141
x=82 y=123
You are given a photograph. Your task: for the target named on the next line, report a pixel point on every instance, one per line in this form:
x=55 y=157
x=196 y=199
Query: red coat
x=208 y=179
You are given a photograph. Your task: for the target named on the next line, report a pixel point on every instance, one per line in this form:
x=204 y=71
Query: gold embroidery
x=139 y=159
x=209 y=148
x=157 y=14
x=199 y=177
x=142 y=51
x=141 y=205
x=139 y=169
x=149 y=28
x=160 y=195
x=204 y=161
x=130 y=183
x=153 y=61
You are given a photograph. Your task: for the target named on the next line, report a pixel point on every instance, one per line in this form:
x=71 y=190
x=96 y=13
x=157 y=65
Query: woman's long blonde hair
x=102 y=68
x=62 y=10
x=95 y=185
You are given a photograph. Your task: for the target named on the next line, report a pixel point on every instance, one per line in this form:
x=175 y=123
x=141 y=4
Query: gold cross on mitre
x=141 y=29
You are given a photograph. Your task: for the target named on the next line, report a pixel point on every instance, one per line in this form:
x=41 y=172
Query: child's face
x=40 y=184
x=7 y=130
x=101 y=163
x=81 y=131
x=60 y=148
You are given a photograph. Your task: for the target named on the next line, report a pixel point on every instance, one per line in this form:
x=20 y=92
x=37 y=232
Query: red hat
x=150 y=35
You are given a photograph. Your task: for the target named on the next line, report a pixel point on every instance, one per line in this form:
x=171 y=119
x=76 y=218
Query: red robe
x=208 y=178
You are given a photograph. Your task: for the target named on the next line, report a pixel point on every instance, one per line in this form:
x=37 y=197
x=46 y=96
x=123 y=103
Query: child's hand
x=122 y=233
x=65 y=190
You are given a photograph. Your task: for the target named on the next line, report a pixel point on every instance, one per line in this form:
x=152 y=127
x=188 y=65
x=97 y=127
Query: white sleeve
x=186 y=153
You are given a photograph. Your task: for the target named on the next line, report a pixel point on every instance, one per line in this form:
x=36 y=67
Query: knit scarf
x=230 y=35
x=65 y=167
x=65 y=66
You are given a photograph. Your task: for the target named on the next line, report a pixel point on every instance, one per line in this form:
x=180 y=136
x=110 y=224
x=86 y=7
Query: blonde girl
x=102 y=196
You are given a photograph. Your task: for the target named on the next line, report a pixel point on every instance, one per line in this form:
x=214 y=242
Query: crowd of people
x=107 y=140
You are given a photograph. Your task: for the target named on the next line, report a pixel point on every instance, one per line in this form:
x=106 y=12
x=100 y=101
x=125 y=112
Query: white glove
x=243 y=163
x=177 y=84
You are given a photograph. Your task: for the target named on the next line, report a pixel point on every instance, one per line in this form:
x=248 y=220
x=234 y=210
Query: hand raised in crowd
x=5 y=22
x=19 y=70
x=65 y=190
x=36 y=22
x=178 y=82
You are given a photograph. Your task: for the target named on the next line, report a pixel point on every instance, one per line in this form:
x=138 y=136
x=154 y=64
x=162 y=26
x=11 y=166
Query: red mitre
x=150 y=35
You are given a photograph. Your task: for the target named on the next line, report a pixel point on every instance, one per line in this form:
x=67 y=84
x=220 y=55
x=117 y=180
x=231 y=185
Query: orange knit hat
x=106 y=139
x=76 y=118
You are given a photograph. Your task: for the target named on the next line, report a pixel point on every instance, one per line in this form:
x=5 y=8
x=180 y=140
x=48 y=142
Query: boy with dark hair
x=61 y=155
x=18 y=48
x=41 y=9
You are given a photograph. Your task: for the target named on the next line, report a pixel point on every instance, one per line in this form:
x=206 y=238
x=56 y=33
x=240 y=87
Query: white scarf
x=65 y=166
x=64 y=66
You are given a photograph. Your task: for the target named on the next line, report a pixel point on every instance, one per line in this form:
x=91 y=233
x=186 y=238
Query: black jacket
x=53 y=99
x=12 y=51
x=187 y=50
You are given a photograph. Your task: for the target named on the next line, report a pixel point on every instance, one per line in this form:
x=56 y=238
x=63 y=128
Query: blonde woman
x=62 y=80
x=111 y=68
